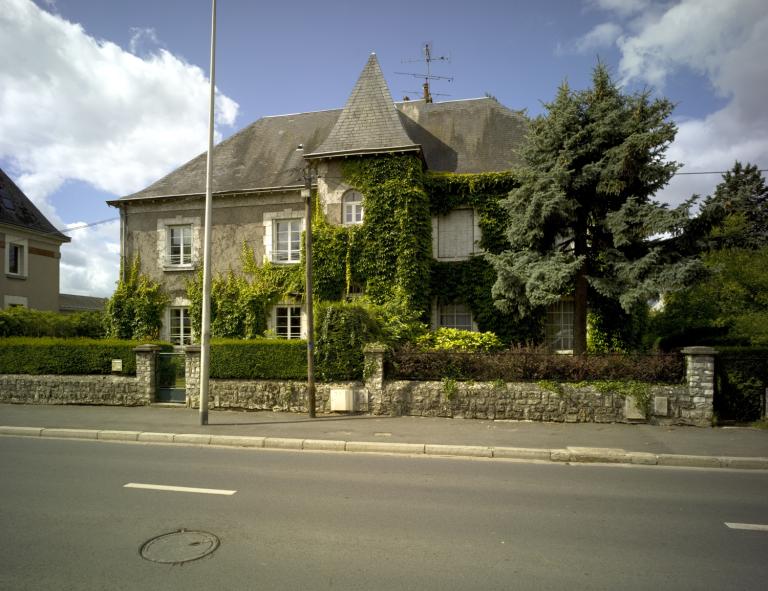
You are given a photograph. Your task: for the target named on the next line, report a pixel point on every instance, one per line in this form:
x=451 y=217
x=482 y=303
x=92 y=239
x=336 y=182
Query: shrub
x=342 y=331
x=23 y=322
x=53 y=356
x=741 y=377
x=135 y=310
x=266 y=359
x=453 y=339
x=410 y=363
x=397 y=319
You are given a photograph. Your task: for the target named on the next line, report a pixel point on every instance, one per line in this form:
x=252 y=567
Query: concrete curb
x=569 y=455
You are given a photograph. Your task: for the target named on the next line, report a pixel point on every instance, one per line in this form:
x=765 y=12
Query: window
x=16 y=263
x=288 y=322
x=287 y=241
x=181 y=327
x=352 y=205
x=11 y=301
x=455 y=316
x=455 y=234
x=15 y=259
x=180 y=245
x=559 y=327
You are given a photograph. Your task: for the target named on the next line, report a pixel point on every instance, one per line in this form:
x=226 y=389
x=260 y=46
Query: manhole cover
x=179 y=546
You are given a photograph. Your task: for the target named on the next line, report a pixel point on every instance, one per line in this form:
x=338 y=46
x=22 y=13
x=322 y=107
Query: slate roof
x=369 y=122
x=17 y=210
x=464 y=136
x=69 y=302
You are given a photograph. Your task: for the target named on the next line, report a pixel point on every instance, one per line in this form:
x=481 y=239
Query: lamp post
x=205 y=337
x=306 y=192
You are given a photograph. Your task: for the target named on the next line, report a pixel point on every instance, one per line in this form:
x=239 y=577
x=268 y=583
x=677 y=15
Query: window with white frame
x=288 y=321
x=16 y=261
x=11 y=301
x=455 y=316
x=180 y=326
x=455 y=235
x=352 y=205
x=180 y=245
x=15 y=258
x=286 y=238
x=558 y=329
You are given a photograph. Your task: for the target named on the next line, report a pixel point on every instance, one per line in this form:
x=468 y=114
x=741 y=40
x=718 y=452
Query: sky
x=98 y=99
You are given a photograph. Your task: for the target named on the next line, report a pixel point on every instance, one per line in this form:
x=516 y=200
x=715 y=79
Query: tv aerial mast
x=428 y=59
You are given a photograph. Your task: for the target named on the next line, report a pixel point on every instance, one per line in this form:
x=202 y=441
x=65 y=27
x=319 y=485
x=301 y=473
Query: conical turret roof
x=369 y=122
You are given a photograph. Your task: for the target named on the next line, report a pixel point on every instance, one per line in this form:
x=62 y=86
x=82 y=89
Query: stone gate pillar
x=192 y=374
x=146 y=371
x=700 y=376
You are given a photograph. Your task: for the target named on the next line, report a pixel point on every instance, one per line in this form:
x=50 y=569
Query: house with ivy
x=407 y=201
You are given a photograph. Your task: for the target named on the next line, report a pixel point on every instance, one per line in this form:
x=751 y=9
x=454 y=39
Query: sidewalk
x=427 y=432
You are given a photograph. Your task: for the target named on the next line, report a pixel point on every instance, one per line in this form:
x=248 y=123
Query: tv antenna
x=428 y=59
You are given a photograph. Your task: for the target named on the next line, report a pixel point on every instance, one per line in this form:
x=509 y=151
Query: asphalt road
x=330 y=521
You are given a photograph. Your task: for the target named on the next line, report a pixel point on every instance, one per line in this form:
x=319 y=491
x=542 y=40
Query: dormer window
x=352 y=208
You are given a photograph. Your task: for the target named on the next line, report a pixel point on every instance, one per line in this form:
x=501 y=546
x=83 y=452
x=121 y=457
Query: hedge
x=408 y=363
x=24 y=322
x=53 y=356
x=741 y=377
x=265 y=359
x=342 y=331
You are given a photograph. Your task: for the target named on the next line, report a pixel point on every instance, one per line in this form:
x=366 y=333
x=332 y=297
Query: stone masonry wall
x=102 y=390
x=274 y=395
x=525 y=401
x=81 y=389
x=689 y=403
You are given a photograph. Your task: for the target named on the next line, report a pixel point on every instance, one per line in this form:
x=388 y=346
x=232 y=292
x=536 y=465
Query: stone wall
x=98 y=390
x=528 y=401
x=689 y=403
x=274 y=395
x=101 y=390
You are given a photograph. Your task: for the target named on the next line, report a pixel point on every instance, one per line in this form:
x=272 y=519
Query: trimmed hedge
x=262 y=359
x=518 y=365
x=24 y=322
x=53 y=356
x=741 y=375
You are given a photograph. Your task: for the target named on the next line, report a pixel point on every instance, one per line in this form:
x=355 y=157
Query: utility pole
x=307 y=194
x=205 y=340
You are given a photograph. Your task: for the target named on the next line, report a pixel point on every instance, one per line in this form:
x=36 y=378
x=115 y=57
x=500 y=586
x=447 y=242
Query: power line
x=714 y=172
x=83 y=226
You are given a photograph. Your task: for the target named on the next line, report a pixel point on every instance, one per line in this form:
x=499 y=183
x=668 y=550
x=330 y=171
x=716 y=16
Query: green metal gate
x=171 y=378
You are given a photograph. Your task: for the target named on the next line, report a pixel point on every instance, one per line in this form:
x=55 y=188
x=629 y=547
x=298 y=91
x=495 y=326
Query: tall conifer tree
x=583 y=217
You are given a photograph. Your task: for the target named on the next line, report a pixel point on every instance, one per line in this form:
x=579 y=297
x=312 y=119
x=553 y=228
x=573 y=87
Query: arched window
x=352 y=208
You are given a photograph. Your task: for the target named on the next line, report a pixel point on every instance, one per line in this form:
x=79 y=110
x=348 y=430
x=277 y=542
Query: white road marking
x=204 y=491
x=750 y=526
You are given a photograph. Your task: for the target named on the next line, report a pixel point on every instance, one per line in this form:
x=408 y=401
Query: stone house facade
x=29 y=252
x=257 y=182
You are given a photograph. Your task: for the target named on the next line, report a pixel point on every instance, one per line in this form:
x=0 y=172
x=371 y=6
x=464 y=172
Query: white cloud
x=602 y=35
x=141 y=37
x=74 y=107
x=727 y=43
x=90 y=263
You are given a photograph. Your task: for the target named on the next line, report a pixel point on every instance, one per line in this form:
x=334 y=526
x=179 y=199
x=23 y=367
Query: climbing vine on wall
x=240 y=303
x=395 y=250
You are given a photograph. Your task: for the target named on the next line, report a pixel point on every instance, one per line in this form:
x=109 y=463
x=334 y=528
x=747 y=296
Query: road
x=334 y=521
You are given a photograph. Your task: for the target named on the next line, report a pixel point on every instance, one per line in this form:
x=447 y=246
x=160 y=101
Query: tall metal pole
x=205 y=340
x=307 y=194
